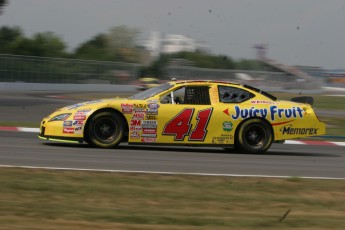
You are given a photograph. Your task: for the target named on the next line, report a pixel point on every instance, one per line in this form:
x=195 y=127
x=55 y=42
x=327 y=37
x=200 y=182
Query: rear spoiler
x=305 y=100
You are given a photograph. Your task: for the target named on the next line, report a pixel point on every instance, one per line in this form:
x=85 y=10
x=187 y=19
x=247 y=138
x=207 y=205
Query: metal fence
x=14 y=68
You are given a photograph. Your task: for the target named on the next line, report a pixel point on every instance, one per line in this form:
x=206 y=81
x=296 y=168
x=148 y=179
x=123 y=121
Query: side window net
x=197 y=95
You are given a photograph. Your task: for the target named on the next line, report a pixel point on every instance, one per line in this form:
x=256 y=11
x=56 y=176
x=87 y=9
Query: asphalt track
x=25 y=149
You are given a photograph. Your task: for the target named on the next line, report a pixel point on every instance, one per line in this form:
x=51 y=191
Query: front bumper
x=43 y=135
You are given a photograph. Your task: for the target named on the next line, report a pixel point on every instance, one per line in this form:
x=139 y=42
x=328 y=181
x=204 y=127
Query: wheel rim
x=255 y=136
x=105 y=129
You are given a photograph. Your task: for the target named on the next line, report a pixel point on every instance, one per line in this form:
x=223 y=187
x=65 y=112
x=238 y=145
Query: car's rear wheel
x=105 y=130
x=253 y=136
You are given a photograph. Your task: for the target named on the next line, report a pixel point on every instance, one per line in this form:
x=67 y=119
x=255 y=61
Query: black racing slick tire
x=254 y=136
x=105 y=130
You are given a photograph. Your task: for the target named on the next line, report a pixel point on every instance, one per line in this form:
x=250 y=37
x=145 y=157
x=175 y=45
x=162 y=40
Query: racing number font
x=180 y=126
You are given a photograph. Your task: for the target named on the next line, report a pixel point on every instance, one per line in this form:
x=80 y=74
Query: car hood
x=92 y=104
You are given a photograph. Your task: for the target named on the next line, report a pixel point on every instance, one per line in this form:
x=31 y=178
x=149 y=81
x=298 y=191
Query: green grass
x=321 y=101
x=335 y=125
x=46 y=199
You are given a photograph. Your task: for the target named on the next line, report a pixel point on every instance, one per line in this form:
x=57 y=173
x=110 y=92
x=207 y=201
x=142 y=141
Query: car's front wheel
x=105 y=130
x=254 y=136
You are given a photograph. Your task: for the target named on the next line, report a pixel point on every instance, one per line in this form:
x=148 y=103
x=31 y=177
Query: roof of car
x=202 y=81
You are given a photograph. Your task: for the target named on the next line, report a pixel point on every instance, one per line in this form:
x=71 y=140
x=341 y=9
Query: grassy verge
x=335 y=125
x=321 y=101
x=43 y=199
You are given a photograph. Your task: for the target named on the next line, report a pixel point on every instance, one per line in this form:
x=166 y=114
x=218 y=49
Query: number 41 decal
x=180 y=125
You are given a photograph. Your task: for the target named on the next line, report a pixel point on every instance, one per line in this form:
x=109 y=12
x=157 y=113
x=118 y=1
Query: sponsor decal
x=153 y=106
x=84 y=111
x=78 y=122
x=139 y=115
x=148 y=140
x=135 y=125
x=263 y=102
x=152 y=112
x=68 y=130
x=149 y=124
x=289 y=130
x=127 y=108
x=134 y=135
x=79 y=117
x=78 y=113
x=78 y=130
x=223 y=139
x=138 y=110
x=67 y=123
x=151 y=117
x=146 y=130
x=142 y=106
x=227 y=126
x=272 y=113
x=136 y=122
x=149 y=135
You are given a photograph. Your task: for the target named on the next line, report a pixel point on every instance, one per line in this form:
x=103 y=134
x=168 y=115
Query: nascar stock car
x=193 y=113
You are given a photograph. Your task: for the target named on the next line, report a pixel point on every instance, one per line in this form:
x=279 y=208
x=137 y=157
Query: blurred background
x=144 y=44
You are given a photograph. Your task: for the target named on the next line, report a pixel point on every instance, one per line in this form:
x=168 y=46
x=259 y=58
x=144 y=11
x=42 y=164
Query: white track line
x=28 y=130
x=292 y=142
x=339 y=143
x=169 y=173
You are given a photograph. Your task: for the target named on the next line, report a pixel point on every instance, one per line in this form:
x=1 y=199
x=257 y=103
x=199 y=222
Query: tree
x=8 y=37
x=45 y=44
x=119 y=44
x=2 y=4
x=95 y=48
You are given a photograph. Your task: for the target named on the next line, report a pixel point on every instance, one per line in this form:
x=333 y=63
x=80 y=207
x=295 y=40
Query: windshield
x=151 y=92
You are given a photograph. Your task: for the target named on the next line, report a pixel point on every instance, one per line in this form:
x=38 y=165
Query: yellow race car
x=193 y=113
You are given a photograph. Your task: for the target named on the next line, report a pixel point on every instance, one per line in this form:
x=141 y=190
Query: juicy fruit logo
x=272 y=113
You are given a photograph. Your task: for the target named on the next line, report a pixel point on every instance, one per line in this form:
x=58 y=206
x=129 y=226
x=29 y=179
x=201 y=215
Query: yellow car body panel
x=154 y=120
